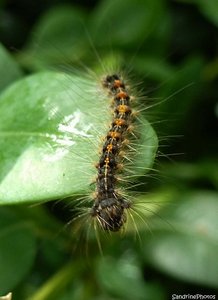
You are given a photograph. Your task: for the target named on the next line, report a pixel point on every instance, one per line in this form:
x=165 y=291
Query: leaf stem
x=55 y=286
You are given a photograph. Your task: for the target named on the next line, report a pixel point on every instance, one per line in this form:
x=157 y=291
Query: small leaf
x=17 y=252
x=114 y=275
x=180 y=94
x=209 y=9
x=117 y=20
x=9 y=70
x=57 y=36
x=189 y=250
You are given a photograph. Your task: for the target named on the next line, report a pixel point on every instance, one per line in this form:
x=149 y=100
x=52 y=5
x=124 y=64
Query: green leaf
x=209 y=9
x=59 y=282
x=180 y=93
x=17 y=252
x=117 y=21
x=186 y=173
x=9 y=70
x=157 y=69
x=188 y=250
x=50 y=127
x=57 y=36
x=119 y=272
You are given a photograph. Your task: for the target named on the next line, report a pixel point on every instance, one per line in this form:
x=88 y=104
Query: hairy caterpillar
x=60 y=145
x=123 y=145
x=109 y=206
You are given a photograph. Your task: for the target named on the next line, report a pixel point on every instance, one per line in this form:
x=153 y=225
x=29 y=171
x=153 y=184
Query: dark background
x=172 y=47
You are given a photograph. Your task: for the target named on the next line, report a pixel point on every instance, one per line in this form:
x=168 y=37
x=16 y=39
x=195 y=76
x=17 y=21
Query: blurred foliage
x=170 y=47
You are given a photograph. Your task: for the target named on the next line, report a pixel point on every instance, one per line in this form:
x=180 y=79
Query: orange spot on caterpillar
x=122 y=95
x=122 y=109
x=107 y=160
x=118 y=84
x=120 y=122
x=114 y=134
x=110 y=147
